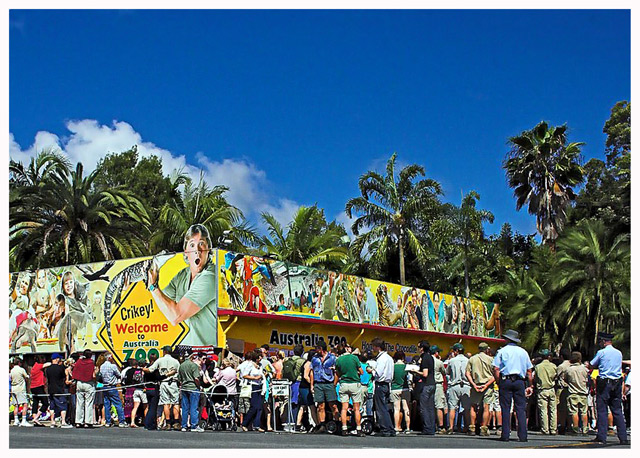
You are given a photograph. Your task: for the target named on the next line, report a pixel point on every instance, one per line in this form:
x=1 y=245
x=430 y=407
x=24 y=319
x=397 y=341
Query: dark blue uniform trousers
x=609 y=394
x=381 y=401
x=513 y=389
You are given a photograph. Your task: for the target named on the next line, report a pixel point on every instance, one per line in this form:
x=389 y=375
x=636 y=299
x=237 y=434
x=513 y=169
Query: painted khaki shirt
x=576 y=377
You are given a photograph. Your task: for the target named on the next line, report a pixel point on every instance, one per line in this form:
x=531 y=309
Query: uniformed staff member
x=608 y=360
x=512 y=367
x=480 y=375
x=545 y=378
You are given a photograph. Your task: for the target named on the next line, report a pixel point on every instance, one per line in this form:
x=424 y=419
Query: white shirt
x=383 y=372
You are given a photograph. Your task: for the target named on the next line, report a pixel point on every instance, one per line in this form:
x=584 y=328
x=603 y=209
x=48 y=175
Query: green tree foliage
x=543 y=169
x=66 y=216
x=308 y=240
x=387 y=213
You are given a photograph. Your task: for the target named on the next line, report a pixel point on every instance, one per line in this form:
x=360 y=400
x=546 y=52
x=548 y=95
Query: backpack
x=292 y=368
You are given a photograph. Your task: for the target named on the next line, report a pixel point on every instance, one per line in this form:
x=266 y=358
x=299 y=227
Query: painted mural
x=258 y=284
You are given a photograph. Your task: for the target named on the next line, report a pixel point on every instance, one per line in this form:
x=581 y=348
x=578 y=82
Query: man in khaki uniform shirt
x=577 y=378
x=561 y=391
x=440 y=400
x=480 y=375
x=545 y=380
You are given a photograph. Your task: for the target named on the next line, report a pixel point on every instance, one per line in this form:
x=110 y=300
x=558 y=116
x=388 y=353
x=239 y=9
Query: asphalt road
x=48 y=438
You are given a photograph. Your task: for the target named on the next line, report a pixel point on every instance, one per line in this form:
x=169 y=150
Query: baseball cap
x=457 y=346
x=483 y=346
x=434 y=349
x=545 y=352
x=56 y=356
x=167 y=348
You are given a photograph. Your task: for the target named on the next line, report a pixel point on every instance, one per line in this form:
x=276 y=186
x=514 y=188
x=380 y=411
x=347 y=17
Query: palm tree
x=48 y=165
x=307 y=239
x=388 y=210
x=66 y=215
x=543 y=169
x=466 y=226
x=200 y=204
x=592 y=283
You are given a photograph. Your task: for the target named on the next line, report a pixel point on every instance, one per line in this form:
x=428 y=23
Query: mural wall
x=255 y=284
x=129 y=307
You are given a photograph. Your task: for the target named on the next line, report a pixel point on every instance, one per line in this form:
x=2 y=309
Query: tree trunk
x=401 y=249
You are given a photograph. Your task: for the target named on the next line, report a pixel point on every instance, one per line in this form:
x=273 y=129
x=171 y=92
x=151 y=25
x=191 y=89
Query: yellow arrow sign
x=138 y=327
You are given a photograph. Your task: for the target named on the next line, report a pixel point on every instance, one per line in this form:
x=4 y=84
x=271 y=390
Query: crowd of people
x=337 y=389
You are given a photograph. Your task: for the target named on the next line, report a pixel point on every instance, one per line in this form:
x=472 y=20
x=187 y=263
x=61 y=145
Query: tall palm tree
x=68 y=215
x=307 y=239
x=466 y=227
x=48 y=165
x=200 y=204
x=592 y=283
x=388 y=209
x=543 y=169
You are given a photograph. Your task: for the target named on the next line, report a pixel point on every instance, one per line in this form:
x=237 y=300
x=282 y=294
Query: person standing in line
x=84 y=372
x=151 y=380
x=626 y=396
x=425 y=389
x=512 y=367
x=561 y=390
x=383 y=375
x=459 y=388
x=167 y=367
x=577 y=379
x=480 y=374
x=111 y=377
x=135 y=378
x=440 y=399
x=38 y=381
x=19 y=380
x=608 y=360
x=55 y=384
x=400 y=393
x=256 y=378
x=323 y=384
x=349 y=370
x=545 y=379
x=188 y=376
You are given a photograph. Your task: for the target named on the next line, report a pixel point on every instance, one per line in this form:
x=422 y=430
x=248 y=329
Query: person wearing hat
x=440 y=400
x=480 y=375
x=545 y=379
x=168 y=368
x=608 y=361
x=458 y=386
x=513 y=368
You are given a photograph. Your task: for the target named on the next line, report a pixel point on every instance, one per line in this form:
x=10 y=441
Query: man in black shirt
x=426 y=387
x=58 y=402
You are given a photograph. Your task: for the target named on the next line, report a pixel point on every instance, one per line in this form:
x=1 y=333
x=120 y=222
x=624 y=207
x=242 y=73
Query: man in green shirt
x=190 y=295
x=545 y=380
x=400 y=394
x=189 y=378
x=349 y=370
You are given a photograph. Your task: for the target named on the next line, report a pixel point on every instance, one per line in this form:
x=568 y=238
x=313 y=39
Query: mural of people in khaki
x=289 y=289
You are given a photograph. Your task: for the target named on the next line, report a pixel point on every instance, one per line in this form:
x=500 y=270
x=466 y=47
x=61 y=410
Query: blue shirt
x=609 y=362
x=323 y=370
x=512 y=360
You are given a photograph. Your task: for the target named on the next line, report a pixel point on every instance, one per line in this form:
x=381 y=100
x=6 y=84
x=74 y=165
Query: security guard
x=545 y=377
x=608 y=360
x=512 y=366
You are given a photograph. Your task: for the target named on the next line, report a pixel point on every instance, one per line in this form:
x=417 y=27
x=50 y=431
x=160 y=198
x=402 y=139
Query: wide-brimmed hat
x=511 y=335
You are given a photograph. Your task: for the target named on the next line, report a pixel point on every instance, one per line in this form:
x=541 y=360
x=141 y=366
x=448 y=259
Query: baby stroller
x=366 y=422
x=221 y=415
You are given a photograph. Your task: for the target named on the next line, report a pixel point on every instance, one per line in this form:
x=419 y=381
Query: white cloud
x=89 y=141
x=347 y=222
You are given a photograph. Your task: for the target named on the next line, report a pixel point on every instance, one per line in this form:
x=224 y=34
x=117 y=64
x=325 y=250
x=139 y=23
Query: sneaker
x=108 y=425
x=123 y=425
x=197 y=429
x=16 y=423
x=53 y=425
x=358 y=433
x=407 y=431
x=66 y=426
x=165 y=427
x=484 y=431
x=45 y=417
x=184 y=430
x=176 y=427
x=26 y=424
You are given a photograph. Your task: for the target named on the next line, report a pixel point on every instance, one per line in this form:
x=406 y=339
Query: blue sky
x=291 y=107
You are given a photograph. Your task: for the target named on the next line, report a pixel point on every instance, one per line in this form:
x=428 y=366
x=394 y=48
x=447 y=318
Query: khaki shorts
x=397 y=395
x=351 y=390
x=140 y=396
x=577 y=404
x=439 y=398
x=169 y=393
x=459 y=394
x=19 y=398
x=485 y=397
